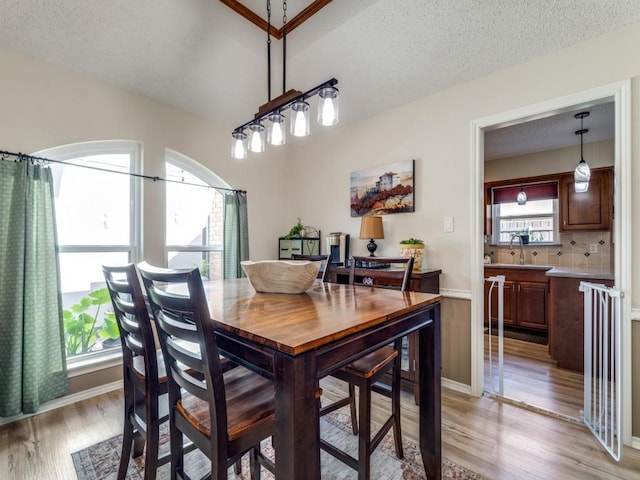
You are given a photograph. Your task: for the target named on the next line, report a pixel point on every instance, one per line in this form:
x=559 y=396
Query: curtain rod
x=23 y=156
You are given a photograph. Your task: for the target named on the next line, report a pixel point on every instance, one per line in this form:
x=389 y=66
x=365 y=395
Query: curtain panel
x=236 y=233
x=31 y=330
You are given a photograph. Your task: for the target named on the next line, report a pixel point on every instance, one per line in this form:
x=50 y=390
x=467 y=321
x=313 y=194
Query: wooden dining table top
x=296 y=323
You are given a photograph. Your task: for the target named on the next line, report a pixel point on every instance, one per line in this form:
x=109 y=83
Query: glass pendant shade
x=522 y=197
x=256 y=138
x=300 y=119
x=275 y=130
x=239 y=145
x=581 y=176
x=328 y=106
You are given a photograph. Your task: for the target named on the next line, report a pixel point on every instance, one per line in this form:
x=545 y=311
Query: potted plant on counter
x=413 y=247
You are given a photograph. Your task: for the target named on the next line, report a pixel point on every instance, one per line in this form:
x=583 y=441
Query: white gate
x=602 y=365
x=499 y=280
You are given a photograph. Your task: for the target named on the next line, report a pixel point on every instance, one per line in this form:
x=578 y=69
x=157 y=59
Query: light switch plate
x=448 y=224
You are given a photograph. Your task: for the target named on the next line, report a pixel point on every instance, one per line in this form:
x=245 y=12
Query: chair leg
x=395 y=406
x=151 y=458
x=364 y=437
x=128 y=436
x=254 y=464
x=354 y=415
x=177 y=452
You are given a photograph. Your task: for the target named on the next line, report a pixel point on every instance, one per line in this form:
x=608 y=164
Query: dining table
x=297 y=339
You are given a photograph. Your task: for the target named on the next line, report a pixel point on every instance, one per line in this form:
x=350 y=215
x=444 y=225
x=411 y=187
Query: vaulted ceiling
x=202 y=56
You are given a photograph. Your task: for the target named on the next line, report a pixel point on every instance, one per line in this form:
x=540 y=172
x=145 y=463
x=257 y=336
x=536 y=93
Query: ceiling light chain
x=294 y=100
x=582 y=173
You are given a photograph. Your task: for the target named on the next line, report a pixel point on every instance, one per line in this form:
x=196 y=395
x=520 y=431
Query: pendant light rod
x=288 y=101
x=269 y=49
x=284 y=47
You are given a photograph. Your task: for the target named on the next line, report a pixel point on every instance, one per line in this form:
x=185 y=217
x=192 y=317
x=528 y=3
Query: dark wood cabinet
x=526 y=293
x=566 y=325
x=590 y=210
x=427 y=281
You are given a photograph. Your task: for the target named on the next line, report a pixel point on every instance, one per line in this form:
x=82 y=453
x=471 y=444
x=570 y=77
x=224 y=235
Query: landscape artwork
x=383 y=190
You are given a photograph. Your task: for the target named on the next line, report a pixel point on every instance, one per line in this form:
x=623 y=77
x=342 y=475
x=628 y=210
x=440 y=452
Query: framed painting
x=383 y=190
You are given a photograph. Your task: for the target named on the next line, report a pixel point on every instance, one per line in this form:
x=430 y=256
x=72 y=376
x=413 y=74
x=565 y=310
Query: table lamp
x=371 y=227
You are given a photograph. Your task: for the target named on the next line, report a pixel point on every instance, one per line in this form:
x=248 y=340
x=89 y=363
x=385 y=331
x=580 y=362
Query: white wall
x=44 y=106
x=436 y=132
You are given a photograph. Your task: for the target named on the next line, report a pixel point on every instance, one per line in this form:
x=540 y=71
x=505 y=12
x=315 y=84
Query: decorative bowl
x=281 y=276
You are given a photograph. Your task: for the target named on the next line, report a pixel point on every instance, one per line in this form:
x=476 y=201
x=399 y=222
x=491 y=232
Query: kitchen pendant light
x=272 y=111
x=522 y=197
x=582 y=173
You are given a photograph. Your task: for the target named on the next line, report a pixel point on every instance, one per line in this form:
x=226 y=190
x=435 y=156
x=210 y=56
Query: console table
x=427 y=281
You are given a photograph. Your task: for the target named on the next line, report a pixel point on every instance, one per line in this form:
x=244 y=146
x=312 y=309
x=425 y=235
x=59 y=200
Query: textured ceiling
x=201 y=56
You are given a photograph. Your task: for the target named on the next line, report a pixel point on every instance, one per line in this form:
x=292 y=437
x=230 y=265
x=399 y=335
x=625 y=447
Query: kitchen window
x=194 y=222
x=538 y=217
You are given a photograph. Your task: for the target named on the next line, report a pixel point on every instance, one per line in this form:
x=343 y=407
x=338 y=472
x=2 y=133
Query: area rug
x=100 y=461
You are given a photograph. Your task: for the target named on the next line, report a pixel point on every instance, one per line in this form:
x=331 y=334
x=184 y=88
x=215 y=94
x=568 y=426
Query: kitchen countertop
x=526 y=266
x=598 y=273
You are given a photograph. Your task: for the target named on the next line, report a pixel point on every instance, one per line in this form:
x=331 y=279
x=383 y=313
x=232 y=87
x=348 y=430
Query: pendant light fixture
x=582 y=173
x=522 y=197
x=272 y=111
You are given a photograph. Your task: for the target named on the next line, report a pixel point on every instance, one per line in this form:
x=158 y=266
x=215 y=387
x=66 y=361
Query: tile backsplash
x=575 y=250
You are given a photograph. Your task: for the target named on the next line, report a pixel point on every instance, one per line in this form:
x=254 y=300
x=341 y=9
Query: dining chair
x=316 y=258
x=144 y=373
x=224 y=414
x=365 y=373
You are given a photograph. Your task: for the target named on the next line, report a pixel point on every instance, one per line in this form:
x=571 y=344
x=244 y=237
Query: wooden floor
x=531 y=377
x=499 y=440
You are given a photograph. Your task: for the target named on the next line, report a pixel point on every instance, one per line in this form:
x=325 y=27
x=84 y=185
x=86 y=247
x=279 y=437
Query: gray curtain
x=236 y=233
x=31 y=333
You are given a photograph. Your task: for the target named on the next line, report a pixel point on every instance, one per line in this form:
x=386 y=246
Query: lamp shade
x=328 y=106
x=371 y=227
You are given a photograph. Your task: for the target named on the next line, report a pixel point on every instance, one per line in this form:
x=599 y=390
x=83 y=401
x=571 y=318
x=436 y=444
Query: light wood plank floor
x=499 y=440
x=530 y=376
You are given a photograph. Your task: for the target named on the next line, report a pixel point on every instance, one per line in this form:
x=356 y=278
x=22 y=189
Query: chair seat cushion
x=250 y=404
x=372 y=363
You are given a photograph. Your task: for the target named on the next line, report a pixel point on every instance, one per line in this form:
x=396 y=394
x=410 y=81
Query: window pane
x=191 y=215
x=536 y=218
x=89 y=325
x=92 y=206
x=209 y=263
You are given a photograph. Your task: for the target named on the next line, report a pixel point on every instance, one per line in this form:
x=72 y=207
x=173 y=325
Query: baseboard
x=456 y=386
x=456 y=294
x=635 y=443
x=66 y=400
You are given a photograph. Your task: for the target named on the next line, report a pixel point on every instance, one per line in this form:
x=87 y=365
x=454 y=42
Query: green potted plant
x=413 y=247
x=296 y=231
x=81 y=328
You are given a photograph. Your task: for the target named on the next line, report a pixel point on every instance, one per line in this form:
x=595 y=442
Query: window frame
x=196 y=169
x=92 y=361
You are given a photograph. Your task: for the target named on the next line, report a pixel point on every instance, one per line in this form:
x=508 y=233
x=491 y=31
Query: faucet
x=521 y=249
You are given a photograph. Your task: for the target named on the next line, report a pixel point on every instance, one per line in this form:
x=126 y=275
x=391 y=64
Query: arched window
x=97 y=221
x=194 y=225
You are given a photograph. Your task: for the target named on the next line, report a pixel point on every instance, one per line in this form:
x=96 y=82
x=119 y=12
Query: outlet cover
x=593 y=248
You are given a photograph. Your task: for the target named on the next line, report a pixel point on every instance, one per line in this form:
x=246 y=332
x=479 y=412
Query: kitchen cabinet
x=427 y=281
x=587 y=211
x=526 y=293
x=566 y=326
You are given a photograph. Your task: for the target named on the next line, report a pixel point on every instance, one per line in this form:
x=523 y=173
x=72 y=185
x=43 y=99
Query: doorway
x=619 y=94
